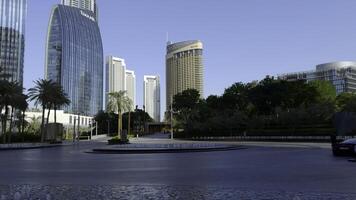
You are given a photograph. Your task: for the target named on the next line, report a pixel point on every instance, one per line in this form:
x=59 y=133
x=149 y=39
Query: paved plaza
x=260 y=171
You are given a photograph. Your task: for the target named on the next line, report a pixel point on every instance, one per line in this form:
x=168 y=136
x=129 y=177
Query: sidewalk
x=21 y=146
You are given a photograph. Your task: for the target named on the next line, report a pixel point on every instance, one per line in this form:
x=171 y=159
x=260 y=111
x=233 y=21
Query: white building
x=131 y=86
x=115 y=76
x=152 y=97
x=67 y=119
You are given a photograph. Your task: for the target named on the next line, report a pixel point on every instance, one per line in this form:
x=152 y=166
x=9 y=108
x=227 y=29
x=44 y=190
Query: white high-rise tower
x=131 y=86
x=152 y=97
x=115 y=75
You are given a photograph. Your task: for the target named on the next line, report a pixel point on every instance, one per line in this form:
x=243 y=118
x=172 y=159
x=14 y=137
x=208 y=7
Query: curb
x=152 y=150
x=24 y=148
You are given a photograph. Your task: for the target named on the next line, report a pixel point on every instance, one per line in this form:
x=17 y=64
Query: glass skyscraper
x=12 y=38
x=74 y=58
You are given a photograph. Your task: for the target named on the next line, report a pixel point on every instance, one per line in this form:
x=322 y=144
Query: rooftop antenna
x=167 y=39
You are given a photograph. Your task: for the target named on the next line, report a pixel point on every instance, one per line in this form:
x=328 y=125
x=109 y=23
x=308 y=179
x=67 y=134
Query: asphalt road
x=257 y=168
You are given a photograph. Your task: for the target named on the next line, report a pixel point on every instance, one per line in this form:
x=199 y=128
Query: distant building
x=12 y=38
x=115 y=75
x=184 y=68
x=131 y=86
x=341 y=74
x=152 y=97
x=74 y=58
x=83 y=4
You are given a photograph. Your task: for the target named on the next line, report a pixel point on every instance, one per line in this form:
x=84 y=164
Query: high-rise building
x=184 y=68
x=131 y=86
x=82 y=4
x=115 y=75
x=341 y=74
x=74 y=58
x=152 y=97
x=12 y=38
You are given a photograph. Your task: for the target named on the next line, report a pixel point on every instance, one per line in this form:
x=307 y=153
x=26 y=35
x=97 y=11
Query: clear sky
x=243 y=40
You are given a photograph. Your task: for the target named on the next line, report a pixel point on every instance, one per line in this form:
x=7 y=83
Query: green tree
x=325 y=90
x=119 y=102
x=236 y=97
x=346 y=102
x=184 y=103
x=34 y=126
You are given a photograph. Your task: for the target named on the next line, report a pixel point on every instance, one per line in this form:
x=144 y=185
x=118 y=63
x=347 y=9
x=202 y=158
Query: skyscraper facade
x=12 y=38
x=115 y=75
x=152 y=97
x=82 y=4
x=184 y=68
x=74 y=58
x=341 y=74
x=131 y=87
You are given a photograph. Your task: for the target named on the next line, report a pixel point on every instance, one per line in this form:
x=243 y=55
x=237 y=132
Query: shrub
x=117 y=140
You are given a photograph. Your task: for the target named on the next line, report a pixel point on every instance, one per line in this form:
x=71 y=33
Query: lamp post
x=172 y=134
x=144 y=119
x=91 y=129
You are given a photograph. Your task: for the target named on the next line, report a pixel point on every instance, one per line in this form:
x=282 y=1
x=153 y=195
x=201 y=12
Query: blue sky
x=244 y=40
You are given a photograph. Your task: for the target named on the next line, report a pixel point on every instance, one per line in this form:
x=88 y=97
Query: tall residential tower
x=152 y=97
x=118 y=78
x=12 y=38
x=131 y=86
x=74 y=58
x=184 y=68
x=115 y=76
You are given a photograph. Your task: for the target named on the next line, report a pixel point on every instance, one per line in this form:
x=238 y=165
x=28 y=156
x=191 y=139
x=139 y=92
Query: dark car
x=345 y=148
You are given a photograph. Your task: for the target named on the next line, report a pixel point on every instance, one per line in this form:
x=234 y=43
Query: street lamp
x=91 y=128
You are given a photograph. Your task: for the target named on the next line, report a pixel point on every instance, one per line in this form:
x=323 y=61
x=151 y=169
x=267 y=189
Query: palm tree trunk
x=5 y=123
x=23 y=125
x=48 y=114
x=55 y=114
x=11 y=123
x=119 y=125
x=129 y=123
x=42 y=123
x=2 y=120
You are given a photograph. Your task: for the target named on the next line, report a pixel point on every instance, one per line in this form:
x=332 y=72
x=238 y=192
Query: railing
x=273 y=138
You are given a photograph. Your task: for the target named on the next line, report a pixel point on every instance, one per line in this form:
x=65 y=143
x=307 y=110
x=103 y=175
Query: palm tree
x=60 y=99
x=9 y=93
x=3 y=91
x=15 y=91
x=42 y=94
x=119 y=102
x=22 y=106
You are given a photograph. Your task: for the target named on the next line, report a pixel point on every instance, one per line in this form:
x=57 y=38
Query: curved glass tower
x=12 y=38
x=74 y=58
x=184 y=68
